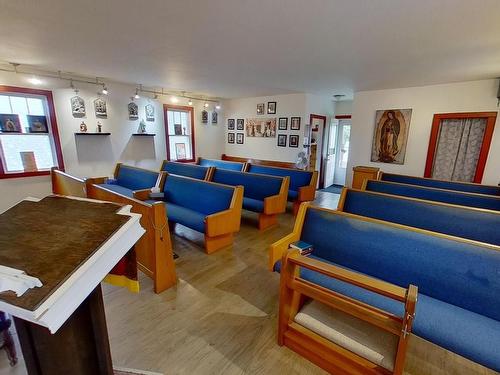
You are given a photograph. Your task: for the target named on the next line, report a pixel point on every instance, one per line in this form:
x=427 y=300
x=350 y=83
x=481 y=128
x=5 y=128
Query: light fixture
x=190 y=102
x=35 y=81
x=217 y=106
x=104 y=90
x=174 y=99
x=205 y=105
x=136 y=96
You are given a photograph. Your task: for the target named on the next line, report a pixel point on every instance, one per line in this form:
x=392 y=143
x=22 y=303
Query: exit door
x=342 y=154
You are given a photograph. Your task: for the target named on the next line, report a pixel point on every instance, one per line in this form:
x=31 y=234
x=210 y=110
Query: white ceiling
x=236 y=48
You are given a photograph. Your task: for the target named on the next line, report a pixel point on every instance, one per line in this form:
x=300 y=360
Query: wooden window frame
x=53 y=125
x=485 y=147
x=185 y=108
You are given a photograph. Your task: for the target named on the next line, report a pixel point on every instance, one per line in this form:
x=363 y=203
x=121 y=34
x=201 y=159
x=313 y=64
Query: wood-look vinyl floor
x=221 y=318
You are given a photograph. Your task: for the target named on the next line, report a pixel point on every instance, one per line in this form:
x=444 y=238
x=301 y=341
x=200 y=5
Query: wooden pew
x=65 y=184
x=154 y=249
x=271 y=163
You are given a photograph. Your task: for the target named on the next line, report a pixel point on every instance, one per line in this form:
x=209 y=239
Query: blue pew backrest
x=298 y=178
x=200 y=196
x=221 y=164
x=134 y=178
x=188 y=170
x=440 y=184
x=453 y=220
x=433 y=194
x=254 y=186
x=459 y=273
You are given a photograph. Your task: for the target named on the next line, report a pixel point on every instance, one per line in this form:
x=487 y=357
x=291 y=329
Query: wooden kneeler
x=295 y=293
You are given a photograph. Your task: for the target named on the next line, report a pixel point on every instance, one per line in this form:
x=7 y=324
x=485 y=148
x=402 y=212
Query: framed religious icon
x=133 y=111
x=271 y=108
x=37 y=124
x=240 y=124
x=261 y=127
x=282 y=140
x=294 y=141
x=215 y=117
x=240 y=137
x=295 y=123
x=283 y=123
x=77 y=106
x=230 y=124
x=390 y=135
x=230 y=137
x=100 y=108
x=180 y=151
x=9 y=123
x=260 y=108
x=150 y=112
x=204 y=117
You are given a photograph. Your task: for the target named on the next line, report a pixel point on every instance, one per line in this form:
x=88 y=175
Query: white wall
x=475 y=96
x=86 y=156
x=291 y=105
x=343 y=107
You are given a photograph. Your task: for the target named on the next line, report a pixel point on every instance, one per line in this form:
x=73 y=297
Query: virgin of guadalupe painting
x=391 y=136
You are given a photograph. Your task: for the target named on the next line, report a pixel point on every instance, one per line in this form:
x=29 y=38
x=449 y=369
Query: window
x=179 y=129
x=459 y=145
x=29 y=141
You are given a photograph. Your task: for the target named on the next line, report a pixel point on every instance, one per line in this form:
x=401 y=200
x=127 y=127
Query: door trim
x=485 y=147
x=321 y=174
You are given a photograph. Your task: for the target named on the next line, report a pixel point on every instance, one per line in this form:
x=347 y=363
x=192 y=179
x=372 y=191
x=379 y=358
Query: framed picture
x=230 y=124
x=150 y=112
x=271 y=108
x=281 y=140
x=133 y=111
x=390 y=135
x=283 y=123
x=261 y=127
x=9 y=123
x=294 y=141
x=177 y=129
x=230 y=137
x=214 y=117
x=100 y=108
x=204 y=117
x=78 y=106
x=180 y=151
x=240 y=124
x=37 y=124
x=240 y=137
x=260 y=108
x=295 y=123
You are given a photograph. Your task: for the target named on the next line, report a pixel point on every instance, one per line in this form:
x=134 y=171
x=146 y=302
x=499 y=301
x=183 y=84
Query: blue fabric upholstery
x=118 y=189
x=298 y=178
x=464 y=332
x=432 y=194
x=450 y=185
x=196 y=195
x=463 y=274
x=253 y=205
x=190 y=218
x=222 y=164
x=293 y=195
x=184 y=169
x=255 y=186
x=136 y=178
x=456 y=221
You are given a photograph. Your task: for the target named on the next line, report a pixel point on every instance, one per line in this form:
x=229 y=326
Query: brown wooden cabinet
x=361 y=173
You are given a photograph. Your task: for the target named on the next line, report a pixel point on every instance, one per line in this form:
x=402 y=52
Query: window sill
x=6 y=176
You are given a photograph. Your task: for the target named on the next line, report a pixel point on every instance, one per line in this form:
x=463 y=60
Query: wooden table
x=70 y=245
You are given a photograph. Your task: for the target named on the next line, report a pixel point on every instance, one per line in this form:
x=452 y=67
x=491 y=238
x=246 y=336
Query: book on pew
x=304 y=247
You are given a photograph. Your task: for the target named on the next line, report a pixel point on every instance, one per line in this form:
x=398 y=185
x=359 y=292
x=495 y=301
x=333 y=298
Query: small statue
x=142 y=127
x=83 y=127
x=184 y=130
x=99 y=127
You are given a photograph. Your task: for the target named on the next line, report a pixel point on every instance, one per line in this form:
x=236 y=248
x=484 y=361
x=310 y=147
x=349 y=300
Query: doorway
x=337 y=154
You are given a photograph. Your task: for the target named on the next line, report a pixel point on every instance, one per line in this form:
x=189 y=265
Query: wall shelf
x=143 y=134
x=92 y=133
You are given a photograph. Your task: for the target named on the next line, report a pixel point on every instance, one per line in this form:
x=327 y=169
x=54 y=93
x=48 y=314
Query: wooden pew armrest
x=277 y=249
x=276 y=204
x=142 y=195
x=222 y=222
x=308 y=193
x=96 y=180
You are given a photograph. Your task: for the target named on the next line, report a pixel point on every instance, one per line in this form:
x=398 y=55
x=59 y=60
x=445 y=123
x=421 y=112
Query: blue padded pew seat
x=206 y=207
x=221 y=164
x=488 y=202
x=466 y=222
x=302 y=183
x=458 y=280
x=263 y=194
x=442 y=184
x=128 y=179
x=187 y=170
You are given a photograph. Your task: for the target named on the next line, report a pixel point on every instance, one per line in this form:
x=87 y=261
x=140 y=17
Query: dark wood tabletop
x=50 y=239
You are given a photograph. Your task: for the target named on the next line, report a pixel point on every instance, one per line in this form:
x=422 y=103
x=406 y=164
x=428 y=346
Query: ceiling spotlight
x=174 y=99
x=205 y=105
x=104 y=90
x=190 y=102
x=136 y=96
x=35 y=81
x=338 y=96
x=217 y=106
